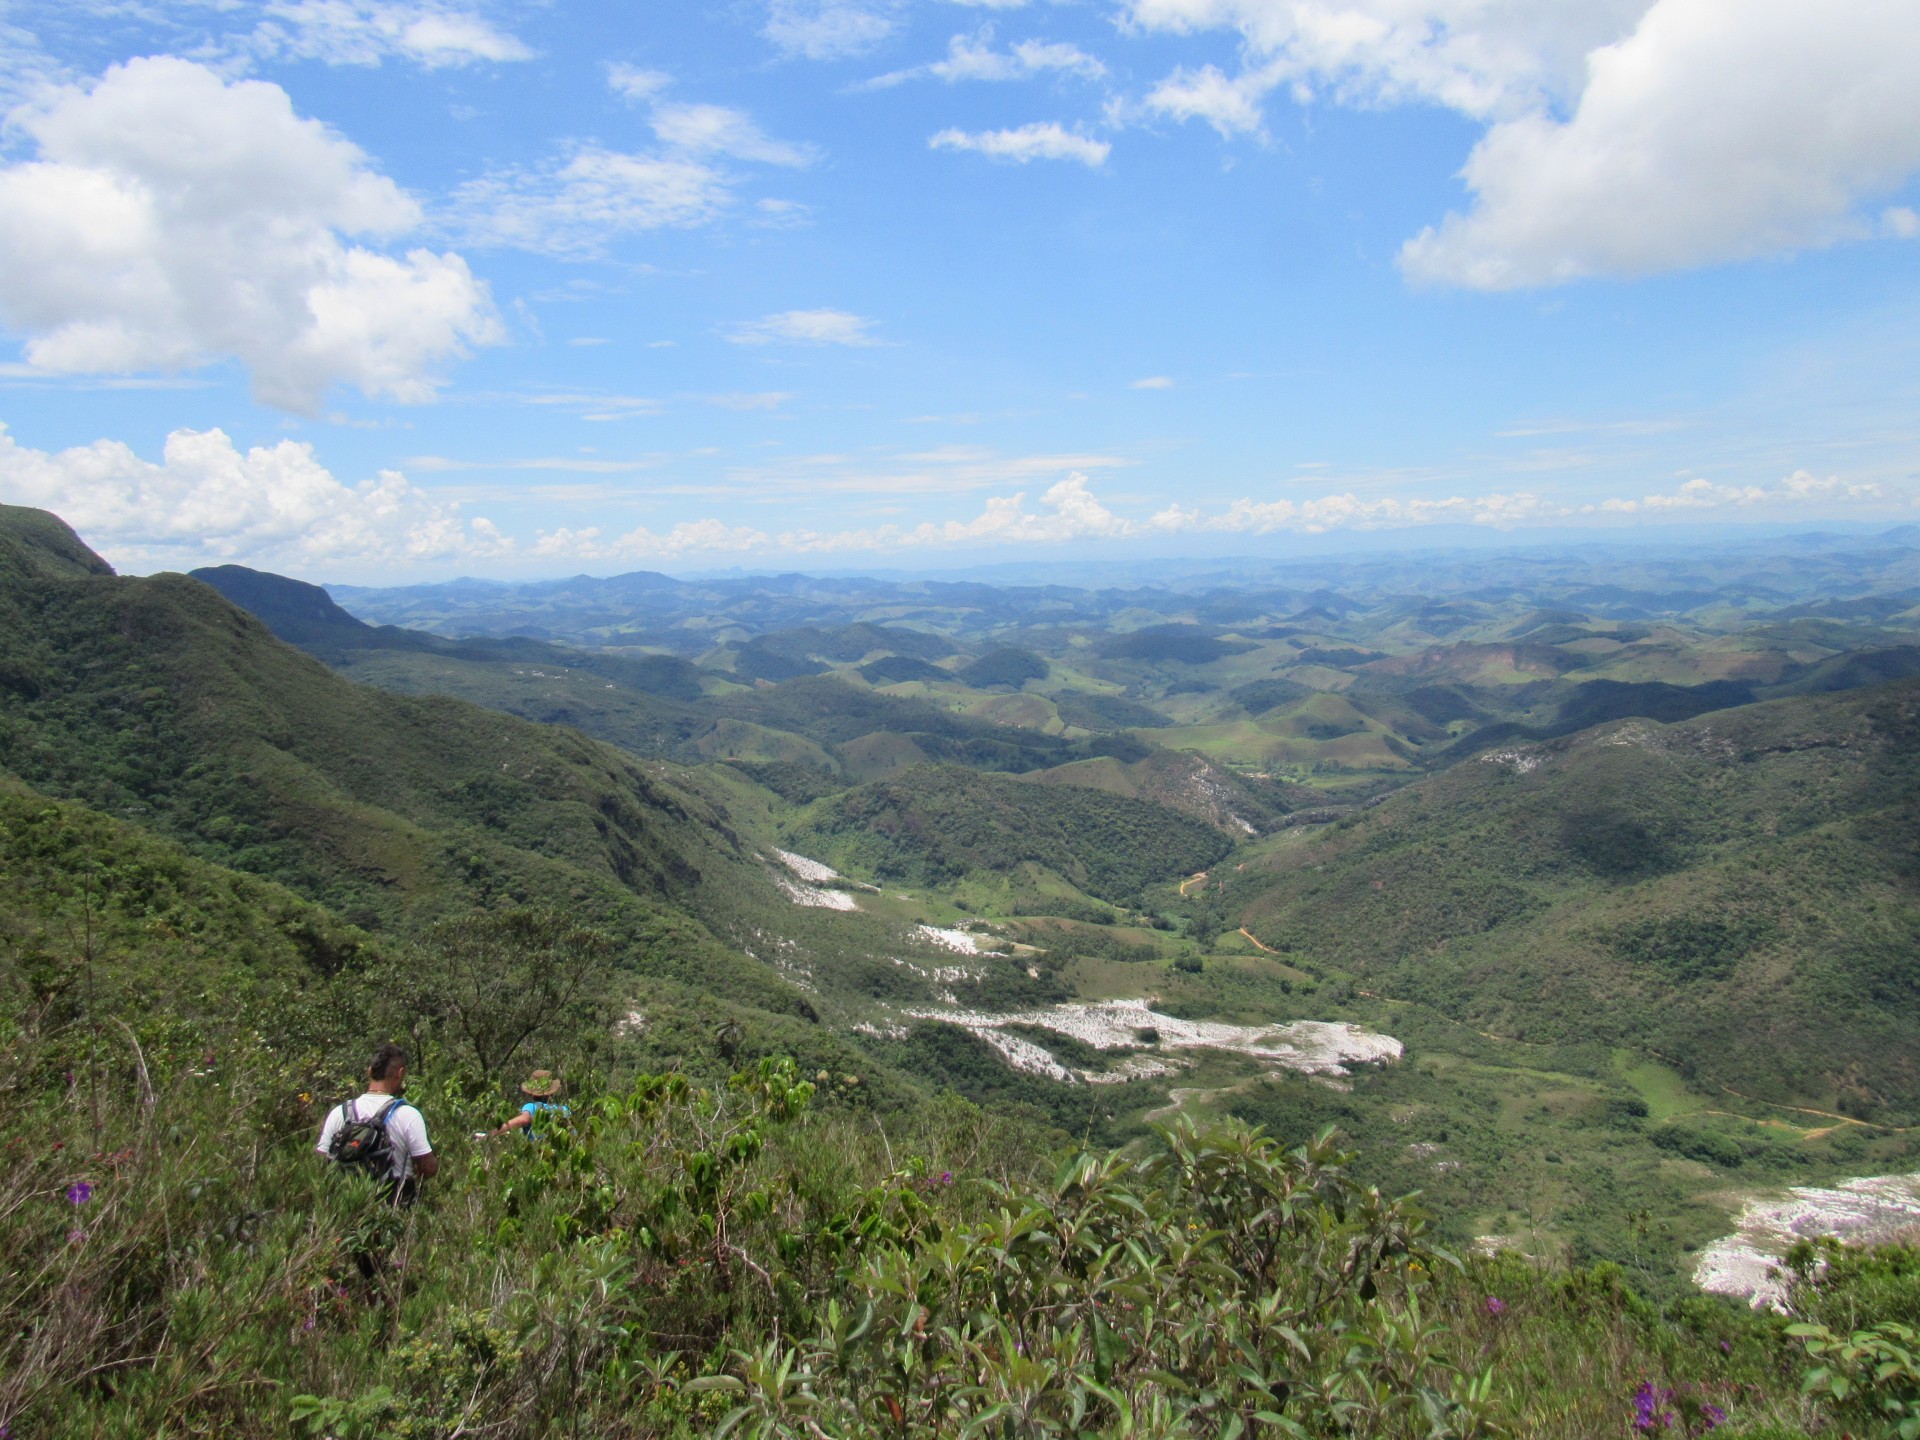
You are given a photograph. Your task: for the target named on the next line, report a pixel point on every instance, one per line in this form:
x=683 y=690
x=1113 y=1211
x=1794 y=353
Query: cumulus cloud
x=1624 y=137
x=171 y=217
x=1719 y=130
x=1231 y=106
x=972 y=57
x=1800 y=488
x=1043 y=140
x=806 y=327
x=364 y=32
x=206 y=500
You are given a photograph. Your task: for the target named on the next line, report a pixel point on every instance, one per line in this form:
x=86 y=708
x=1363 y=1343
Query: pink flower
x=1496 y=1307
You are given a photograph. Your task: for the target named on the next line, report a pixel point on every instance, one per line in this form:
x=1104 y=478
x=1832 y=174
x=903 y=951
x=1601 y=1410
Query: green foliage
x=1852 y=1286
x=506 y=982
x=1871 y=1374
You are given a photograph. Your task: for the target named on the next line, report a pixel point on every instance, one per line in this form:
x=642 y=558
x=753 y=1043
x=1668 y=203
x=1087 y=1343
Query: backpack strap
x=387 y=1113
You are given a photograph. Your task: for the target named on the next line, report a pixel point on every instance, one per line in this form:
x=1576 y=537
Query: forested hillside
x=157 y=701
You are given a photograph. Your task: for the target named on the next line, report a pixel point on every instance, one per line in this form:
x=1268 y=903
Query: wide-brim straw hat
x=540 y=1084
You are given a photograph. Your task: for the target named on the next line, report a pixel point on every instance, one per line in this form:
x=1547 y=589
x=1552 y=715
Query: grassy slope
x=169 y=933
x=1735 y=893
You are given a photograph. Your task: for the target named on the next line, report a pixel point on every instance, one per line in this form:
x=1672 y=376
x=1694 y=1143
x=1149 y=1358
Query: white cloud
x=364 y=32
x=1231 y=106
x=1478 y=58
x=1800 y=488
x=1719 y=130
x=806 y=327
x=171 y=217
x=828 y=29
x=207 y=501
x=577 y=203
x=1069 y=512
x=722 y=130
x=630 y=82
x=972 y=57
x=1625 y=137
x=574 y=205
x=1043 y=140
x=1153 y=382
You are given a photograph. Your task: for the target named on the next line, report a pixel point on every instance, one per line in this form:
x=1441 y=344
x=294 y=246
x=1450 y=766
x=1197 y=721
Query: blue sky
x=390 y=289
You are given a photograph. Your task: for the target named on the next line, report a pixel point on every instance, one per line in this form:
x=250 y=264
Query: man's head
x=387 y=1071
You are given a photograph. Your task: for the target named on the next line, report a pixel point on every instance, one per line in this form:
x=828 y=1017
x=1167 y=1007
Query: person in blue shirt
x=542 y=1089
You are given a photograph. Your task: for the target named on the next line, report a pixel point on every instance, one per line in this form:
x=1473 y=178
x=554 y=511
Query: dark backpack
x=364 y=1145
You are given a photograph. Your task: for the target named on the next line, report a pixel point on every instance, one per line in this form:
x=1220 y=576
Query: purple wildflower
x=76 y=1237
x=79 y=1193
x=946 y=1177
x=1646 y=1407
x=1713 y=1415
x=1726 y=1347
x=1496 y=1307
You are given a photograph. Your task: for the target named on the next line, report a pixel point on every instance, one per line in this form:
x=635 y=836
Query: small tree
x=500 y=982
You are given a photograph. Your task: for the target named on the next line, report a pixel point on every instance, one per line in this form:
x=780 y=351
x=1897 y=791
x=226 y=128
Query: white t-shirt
x=406 y=1129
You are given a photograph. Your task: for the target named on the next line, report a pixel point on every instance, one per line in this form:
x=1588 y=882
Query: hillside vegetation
x=936 y=824
x=1738 y=894
x=1196 y=871
x=157 y=701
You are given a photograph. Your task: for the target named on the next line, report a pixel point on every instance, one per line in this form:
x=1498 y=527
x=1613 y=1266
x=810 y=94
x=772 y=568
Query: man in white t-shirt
x=411 y=1153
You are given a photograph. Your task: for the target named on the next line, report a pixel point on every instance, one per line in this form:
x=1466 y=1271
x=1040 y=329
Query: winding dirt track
x=1258 y=944
x=1194 y=879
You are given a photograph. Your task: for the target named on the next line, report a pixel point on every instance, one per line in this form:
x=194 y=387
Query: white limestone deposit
x=815 y=896
x=956 y=940
x=812 y=871
x=1860 y=1211
x=1307 y=1047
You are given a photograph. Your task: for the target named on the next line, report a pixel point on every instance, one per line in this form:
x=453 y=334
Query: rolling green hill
x=937 y=824
x=1738 y=894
